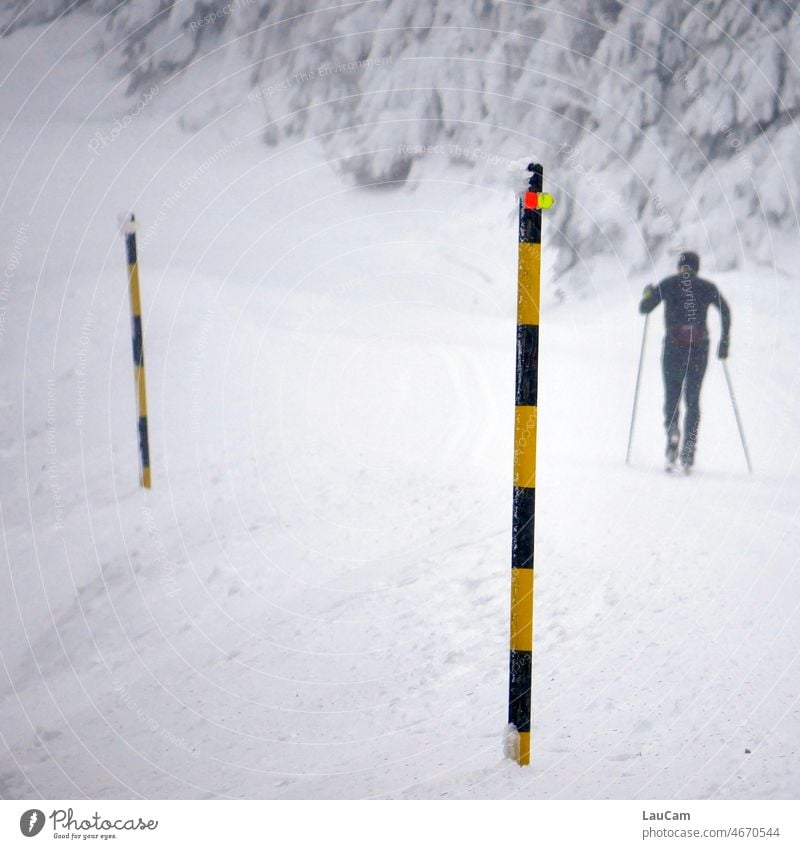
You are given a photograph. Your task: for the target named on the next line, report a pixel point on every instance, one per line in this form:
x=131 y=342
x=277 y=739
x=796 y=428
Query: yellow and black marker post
x=521 y=667
x=138 y=352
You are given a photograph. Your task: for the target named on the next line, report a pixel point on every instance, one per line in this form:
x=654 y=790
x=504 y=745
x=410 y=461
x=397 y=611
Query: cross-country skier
x=686 y=298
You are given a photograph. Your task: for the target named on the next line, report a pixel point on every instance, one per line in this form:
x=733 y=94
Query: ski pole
x=636 y=391
x=738 y=420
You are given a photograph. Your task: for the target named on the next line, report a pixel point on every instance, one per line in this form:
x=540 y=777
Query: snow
x=312 y=601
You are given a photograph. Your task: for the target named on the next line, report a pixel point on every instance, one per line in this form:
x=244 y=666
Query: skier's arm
x=651 y=298
x=725 y=318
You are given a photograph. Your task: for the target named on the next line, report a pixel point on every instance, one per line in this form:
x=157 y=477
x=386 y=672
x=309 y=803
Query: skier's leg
x=694 y=380
x=673 y=368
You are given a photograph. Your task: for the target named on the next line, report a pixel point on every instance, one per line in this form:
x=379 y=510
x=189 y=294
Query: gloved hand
x=649 y=300
x=722 y=350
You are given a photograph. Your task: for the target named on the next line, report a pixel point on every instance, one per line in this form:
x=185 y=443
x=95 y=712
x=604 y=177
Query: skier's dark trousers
x=686 y=298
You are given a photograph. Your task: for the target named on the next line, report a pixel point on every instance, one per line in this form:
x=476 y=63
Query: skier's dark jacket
x=686 y=302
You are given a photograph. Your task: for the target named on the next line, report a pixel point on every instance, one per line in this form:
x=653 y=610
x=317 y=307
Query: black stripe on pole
x=138 y=341
x=527 y=381
x=130 y=245
x=519 y=703
x=144 y=446
x=530 y=226
x=530 y=220
x=524 y=509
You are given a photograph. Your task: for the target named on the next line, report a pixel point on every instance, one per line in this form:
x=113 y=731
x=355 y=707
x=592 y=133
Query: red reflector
x=531 y=200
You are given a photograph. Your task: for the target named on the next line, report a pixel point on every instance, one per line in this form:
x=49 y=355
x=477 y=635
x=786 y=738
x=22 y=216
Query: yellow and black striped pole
x=138 y=352
x=528 y=280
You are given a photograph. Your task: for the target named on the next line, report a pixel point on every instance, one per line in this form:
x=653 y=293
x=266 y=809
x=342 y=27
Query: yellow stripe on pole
x=133 y=280
x=141 y=392
x=522 y=610
x=525 y=446
x=146 y=477
x=530 y=258
x=524 y=758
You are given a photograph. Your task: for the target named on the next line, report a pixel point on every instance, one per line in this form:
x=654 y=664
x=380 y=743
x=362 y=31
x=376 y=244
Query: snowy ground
x=312 y=601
